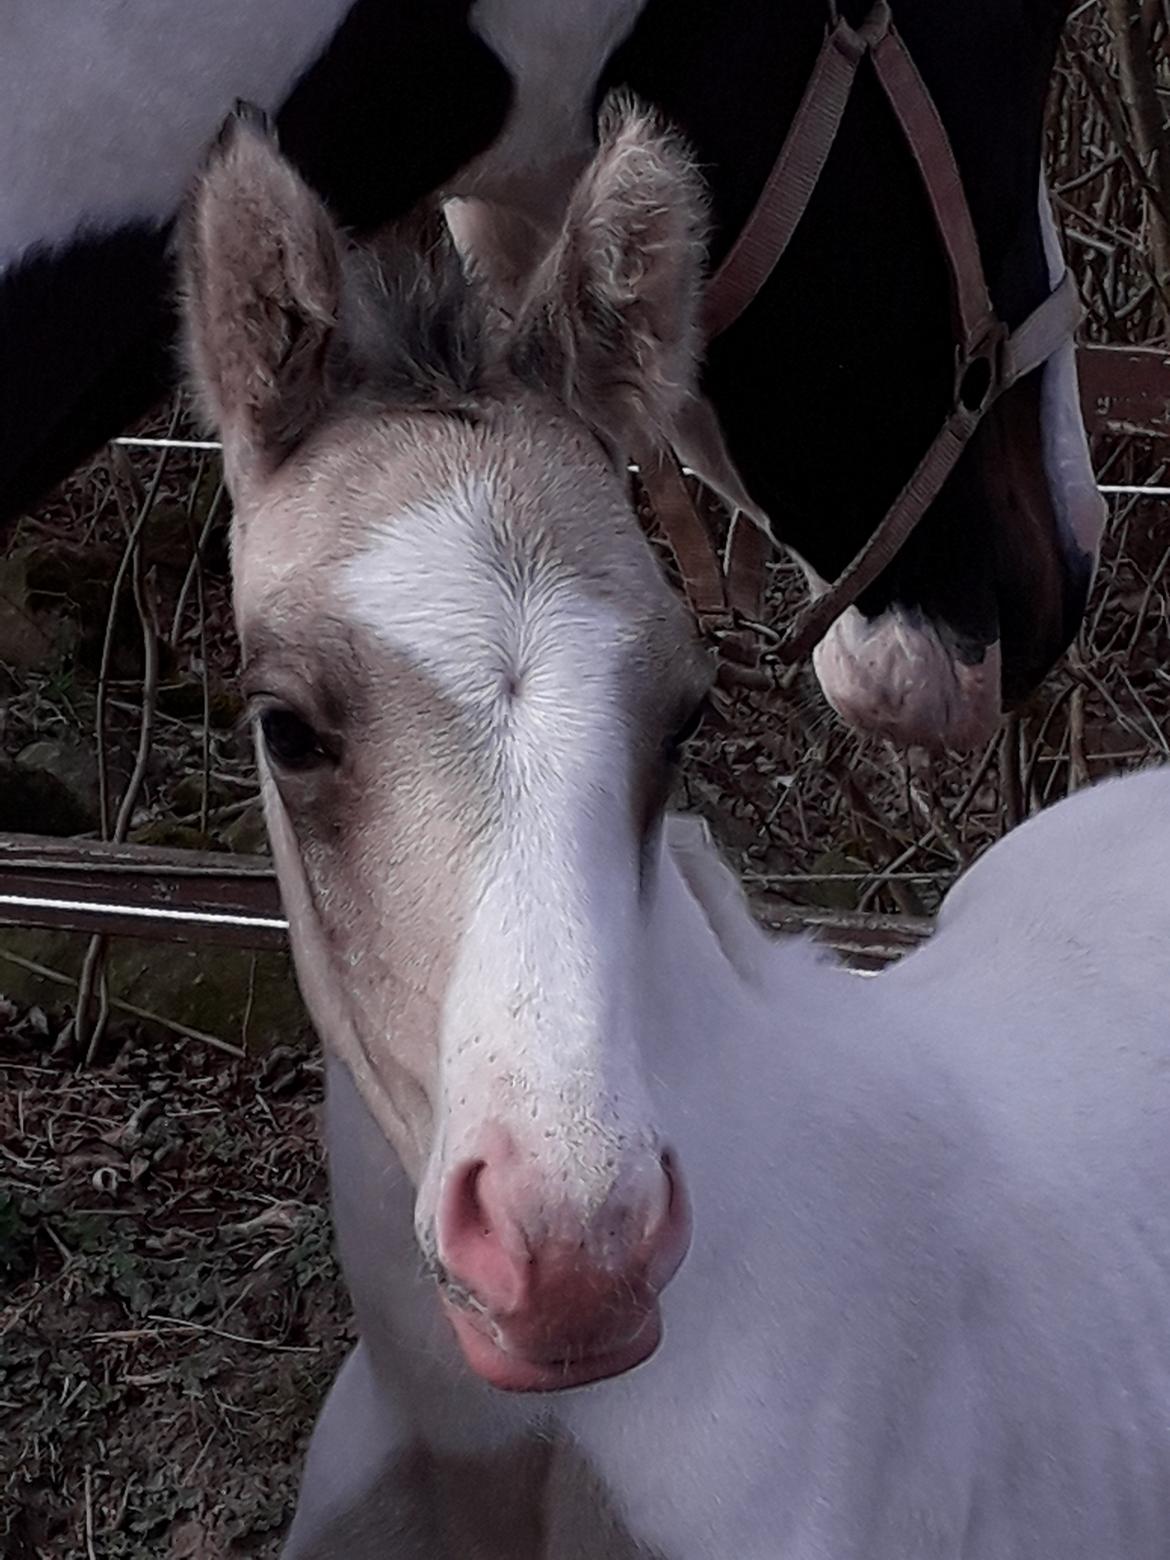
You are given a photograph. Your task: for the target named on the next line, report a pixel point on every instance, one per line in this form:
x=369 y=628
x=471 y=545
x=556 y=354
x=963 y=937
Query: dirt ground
x=173 y=1314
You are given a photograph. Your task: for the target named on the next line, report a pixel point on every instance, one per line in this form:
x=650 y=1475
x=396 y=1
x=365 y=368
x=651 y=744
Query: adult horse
x=830 y=384
x=925 y=1309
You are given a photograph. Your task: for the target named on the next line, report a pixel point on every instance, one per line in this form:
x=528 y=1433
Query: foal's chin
x=892 y=676
x=486 y=1350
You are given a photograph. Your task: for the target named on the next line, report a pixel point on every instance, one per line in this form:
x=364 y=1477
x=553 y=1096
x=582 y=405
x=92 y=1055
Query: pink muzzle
x=541 y=1299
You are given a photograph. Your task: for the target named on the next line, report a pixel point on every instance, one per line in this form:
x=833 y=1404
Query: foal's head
x=469 y=681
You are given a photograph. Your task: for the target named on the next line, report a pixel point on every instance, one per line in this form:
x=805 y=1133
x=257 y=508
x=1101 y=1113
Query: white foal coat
x=926 y=1311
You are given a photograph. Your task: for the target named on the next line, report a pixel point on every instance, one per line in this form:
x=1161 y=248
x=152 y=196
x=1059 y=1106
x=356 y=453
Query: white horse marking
x=66 y=64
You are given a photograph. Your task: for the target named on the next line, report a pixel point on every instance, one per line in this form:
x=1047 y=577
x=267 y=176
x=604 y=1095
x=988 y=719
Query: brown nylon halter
x=726 y=594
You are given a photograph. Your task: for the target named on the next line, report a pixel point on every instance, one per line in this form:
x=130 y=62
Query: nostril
x=466 y=1215
x=674 y=1184
x=660 y=1200
x=669 y=1230
x=481 y=1249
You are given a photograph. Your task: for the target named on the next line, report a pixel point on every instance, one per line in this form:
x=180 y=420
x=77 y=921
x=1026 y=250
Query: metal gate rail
x=213 y=897
x=140 y=891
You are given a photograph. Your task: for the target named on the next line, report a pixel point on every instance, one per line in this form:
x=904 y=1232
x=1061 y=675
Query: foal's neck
x=795 y=1068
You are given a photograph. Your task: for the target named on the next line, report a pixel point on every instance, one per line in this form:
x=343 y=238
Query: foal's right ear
x=261 y=270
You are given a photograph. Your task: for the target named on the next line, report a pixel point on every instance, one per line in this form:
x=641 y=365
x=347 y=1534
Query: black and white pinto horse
x=828 y=388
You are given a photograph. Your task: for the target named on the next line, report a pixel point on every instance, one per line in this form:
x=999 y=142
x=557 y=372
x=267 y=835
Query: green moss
x=250 y=999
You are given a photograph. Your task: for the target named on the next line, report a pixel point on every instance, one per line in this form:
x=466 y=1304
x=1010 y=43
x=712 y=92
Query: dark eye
x=686 y=729
x=290 y=741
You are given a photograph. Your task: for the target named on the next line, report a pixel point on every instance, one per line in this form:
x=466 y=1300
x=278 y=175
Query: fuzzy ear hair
x=261 y=264
x=610 y=322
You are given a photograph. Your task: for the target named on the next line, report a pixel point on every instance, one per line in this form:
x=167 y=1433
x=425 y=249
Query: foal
x=919 y=1225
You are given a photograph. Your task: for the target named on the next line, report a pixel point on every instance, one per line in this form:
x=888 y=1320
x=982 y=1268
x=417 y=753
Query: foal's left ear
x=261 y=271
x=610 y=323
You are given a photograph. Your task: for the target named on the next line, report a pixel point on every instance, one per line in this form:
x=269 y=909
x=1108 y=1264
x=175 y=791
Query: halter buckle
x=979 y=370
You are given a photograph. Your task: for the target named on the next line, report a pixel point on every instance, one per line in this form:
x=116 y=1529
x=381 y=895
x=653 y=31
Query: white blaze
x=538 y=1027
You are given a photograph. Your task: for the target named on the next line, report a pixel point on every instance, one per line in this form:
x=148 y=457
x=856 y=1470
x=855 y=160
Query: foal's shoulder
x=1105 y=847
x=1072 y=905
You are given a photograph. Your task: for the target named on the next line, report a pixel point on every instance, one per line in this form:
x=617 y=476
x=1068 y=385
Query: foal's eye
x=686 y=729
x=290 y=741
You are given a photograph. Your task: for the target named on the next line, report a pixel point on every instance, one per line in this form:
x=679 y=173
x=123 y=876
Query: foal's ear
x=611 y=320
x=261 y=269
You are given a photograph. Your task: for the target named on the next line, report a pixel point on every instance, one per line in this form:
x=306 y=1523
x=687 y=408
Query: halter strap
x=795 y=174
x=1050 y=324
